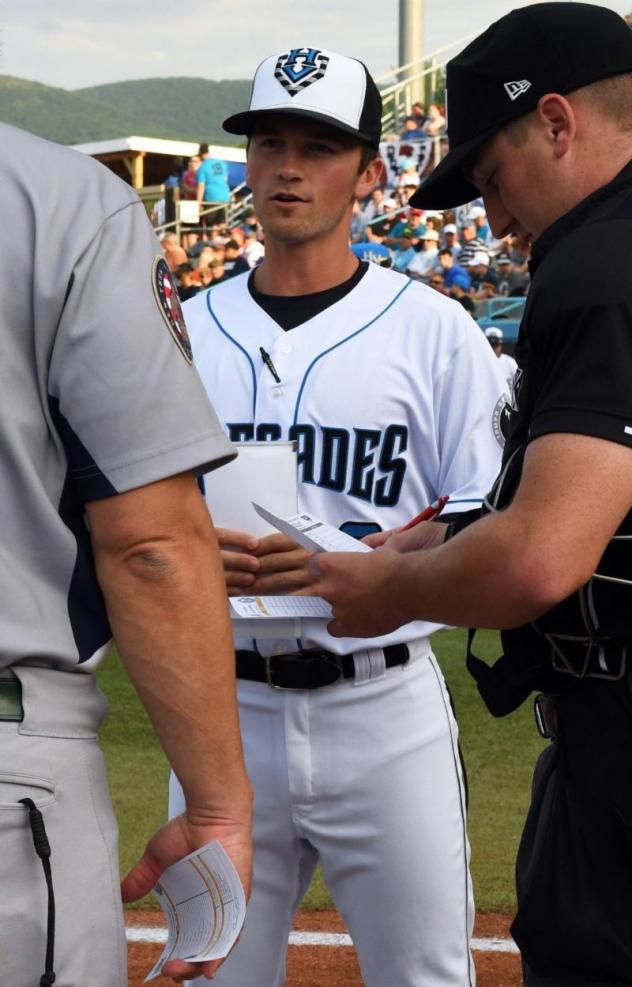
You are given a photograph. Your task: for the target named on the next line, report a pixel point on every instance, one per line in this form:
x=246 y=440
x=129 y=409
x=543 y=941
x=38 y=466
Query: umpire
x=103 y=426
x=540 y=117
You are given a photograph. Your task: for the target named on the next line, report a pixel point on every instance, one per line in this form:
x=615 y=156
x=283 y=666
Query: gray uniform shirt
x=97 y=391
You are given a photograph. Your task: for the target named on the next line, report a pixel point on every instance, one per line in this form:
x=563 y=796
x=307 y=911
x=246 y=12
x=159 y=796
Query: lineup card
x=312 y=534
x=273 y=607
x=203 y=899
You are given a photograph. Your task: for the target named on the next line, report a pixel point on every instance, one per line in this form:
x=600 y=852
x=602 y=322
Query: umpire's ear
x=374 y=174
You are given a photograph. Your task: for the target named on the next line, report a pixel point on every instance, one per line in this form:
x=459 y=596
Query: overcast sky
x=76 y=43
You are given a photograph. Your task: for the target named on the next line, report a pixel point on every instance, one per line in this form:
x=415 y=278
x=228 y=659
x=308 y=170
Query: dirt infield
x=327 y=966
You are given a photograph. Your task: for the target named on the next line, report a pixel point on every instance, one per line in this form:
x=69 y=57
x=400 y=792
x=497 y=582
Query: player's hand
x=282 y=567
x=178 y=838
x=362 y=589
x=237 y=549
x=426 y=534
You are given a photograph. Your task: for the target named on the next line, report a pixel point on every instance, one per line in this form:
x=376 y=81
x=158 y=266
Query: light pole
x=411 y=40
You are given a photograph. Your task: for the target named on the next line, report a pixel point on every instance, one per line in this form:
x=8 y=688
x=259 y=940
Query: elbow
x=539 y=583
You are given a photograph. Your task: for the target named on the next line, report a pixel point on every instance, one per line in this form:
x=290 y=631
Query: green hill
x=177 y=108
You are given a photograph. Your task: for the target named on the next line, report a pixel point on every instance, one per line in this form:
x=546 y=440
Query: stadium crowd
x=454 y=252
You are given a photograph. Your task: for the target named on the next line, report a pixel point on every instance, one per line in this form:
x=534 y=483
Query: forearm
x=484 y=577
x=180 y=658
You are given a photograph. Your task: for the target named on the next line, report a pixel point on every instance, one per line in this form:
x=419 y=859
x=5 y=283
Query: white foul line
x=155 y=934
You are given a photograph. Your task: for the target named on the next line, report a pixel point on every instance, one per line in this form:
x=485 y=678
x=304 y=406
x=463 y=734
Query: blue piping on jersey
x=239 y=347
x=340 y=343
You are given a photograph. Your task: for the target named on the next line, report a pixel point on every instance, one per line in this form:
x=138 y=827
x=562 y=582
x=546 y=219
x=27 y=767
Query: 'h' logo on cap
x=515 y=89
x=299 y=68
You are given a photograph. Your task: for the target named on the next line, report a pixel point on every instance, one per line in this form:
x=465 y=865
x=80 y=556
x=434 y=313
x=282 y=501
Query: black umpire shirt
x=575 y=354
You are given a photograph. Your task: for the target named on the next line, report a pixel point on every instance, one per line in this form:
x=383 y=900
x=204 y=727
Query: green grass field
x=499 y=756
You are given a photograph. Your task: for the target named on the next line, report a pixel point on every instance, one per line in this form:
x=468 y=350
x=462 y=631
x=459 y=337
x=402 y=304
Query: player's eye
x=319 y=147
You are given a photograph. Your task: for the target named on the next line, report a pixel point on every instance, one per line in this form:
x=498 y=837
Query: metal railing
x=506 y=312
x=235 y=210
x=399 y=96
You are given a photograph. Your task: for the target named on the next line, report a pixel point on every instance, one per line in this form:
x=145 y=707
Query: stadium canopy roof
x=143 y=161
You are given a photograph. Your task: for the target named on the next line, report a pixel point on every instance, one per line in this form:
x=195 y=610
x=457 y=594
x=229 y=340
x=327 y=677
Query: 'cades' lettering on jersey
x=367 y=463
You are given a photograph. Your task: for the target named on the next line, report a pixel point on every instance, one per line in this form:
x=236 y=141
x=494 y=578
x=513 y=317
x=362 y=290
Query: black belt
x=310 y=669
x=10 y=699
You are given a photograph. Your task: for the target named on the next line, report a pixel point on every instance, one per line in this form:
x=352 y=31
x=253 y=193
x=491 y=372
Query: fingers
x=378 y=539
x=239 y=540
x=274 y=543
x=179 y=970
x=237 y=553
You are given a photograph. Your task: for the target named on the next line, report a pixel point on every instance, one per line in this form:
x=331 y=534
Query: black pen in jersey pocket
x=267 y=359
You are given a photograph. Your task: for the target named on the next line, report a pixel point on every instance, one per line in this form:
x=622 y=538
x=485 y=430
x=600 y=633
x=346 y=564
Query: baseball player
x=552 y=558
x=507 y=363
x=102 y=527
x=393 y=398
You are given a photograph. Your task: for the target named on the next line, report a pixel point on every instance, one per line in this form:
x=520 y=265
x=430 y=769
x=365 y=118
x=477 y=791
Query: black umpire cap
x=502 y=74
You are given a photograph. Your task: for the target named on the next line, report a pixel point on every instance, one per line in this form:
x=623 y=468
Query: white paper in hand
x=312 y=534
x=203 y=899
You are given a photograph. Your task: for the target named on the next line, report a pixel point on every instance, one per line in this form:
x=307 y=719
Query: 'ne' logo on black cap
x=515 y=89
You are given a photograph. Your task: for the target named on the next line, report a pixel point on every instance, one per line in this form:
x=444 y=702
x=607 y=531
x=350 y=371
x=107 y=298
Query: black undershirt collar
x=289 y=311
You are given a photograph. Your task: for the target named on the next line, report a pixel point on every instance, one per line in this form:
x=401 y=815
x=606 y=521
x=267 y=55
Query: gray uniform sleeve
x=123 y=396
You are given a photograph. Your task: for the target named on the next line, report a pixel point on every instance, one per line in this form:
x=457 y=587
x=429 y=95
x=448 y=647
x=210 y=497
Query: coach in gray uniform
x=103 y=426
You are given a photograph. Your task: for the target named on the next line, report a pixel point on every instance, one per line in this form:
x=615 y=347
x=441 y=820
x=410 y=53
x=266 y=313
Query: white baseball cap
x=480 y=257
x=317 y=84
x=430 y=235
x=476 y=212
x=493 y=333
x=449 y=228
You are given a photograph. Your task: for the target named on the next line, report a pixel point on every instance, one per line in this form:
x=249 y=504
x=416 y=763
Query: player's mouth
x=287 y=199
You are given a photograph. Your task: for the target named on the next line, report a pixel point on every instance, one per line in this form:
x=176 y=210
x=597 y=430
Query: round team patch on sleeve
x=501 y=416
x=169 y=303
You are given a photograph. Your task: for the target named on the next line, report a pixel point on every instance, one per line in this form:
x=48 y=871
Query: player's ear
x=374 y=174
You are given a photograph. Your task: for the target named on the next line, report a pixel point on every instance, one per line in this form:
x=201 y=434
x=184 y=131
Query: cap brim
x=447 y=186
x=243 y=123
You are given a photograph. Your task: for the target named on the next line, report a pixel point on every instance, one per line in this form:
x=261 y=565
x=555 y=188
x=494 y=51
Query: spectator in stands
x=418 y=111
x=406 y=220
x=436 y=122
x=510 y=281
x=471 y=242
x=460 y=292
x=374 y=206
x=450 y=239
x=212 y=181
x=437 y=282
x=234 y=263
x=217 y=271
x=412 y=129
x=507 y=363
x=480 y=274
x=188 y=185
x=356 y=229
x=185 y=281
x=483 y=232
x=254 y=250
x=425 y=259
x=452 y=270
x=519 y=249
x=404 y=249
x=373 y=248
x=174 y=253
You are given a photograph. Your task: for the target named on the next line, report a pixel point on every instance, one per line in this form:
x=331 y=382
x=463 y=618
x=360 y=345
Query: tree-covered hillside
x=177 y=108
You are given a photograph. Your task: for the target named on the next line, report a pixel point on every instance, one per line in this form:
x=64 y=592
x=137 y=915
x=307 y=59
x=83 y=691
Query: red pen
x=427 y=514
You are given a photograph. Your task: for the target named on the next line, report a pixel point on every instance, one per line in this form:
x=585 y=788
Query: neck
x=305 y=268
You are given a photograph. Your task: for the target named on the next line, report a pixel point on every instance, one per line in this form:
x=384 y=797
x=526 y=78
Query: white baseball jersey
x=508 y=366
x=392 y=395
